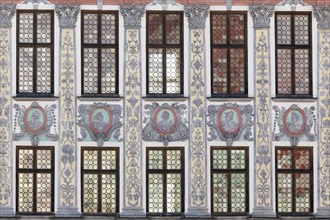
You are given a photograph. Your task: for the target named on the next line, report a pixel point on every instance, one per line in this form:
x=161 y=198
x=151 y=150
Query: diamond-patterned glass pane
x=155 y=193
x=25 y=160
x=238 y=192
x=90 y=70
x=155 y=70
x=173 y=28
x=220 y=159
x=301 y=29
x=44 y=159
x=174 y=191
x=44 y=192
x=90 y=195
x=44 y=70
x=302 y=158
x=220 y=192
x=155 y=29
x=237 y=29
x=25 y=28
x=238 y=159
x=25 y=69
x=219 y=70
x=90 y=159
x=284 y=71
x=173 y=70
x=219 y=29
x=108 y=70
x=25 y=192
x=284 y=29
x=90 y=29
x=109 y=193
x=108 y=160
x=301 y=60
x=44 y=27
x=237 y=70
x=303 y=188
x=108 y=26
x=284 y=159
x=173 y=159
x=284 y=192
x=155 y=159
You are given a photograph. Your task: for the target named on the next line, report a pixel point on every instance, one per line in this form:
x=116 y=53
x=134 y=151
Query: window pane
x=303 y=189
x=173 y=29
x=173 y=188
x=44 y=159
x=284 y=73
x=90 y=194
x=173 y=70
x=237 y=29
x=301 y=29
x=155 y=193
x=155 y=159
x=44 y=26
x=220 y=192
x=219 y=29
x=284 y=29
x=108 y=29
x=302 y=158
x=108 y=70
x=173 y=159
x=284 y=159
x=90 y=160
x=237 y=70
x=90 y=29
x=44 y=192
x=90 y=70
x=44 y=70
x=301 y=71
x=155 y=70
x=109 y=192
x=219 y=70
x=25 y=28
x=25 y=160
x=25 y=69
x=238 y=159
x=155 y=29
x=108 y=159
x=25 y=192
x=238 y=192
x=284 y=192
x=220 y=159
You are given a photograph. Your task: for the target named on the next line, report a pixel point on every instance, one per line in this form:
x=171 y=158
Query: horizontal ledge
x=294 y=100
x=245 y=99
x=161 y=99
x=81 y=98
x=35 y=98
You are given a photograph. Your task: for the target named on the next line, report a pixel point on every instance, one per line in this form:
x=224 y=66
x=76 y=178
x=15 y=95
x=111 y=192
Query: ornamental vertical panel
x=6 y=189
x=67 y=201
x=263 y=205
x=197 y=201
x=322 y=15
x=132 y=101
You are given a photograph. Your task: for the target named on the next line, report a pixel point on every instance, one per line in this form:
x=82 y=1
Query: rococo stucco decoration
x=165 y=123
x=196 y=15
x=35 y=121
x=6 y=14
x=229 y=121
x=261 y=15
x=100 y=121
x=132 y=15
x=322 y=14
x=294 y=122
x=293 y=2
x=67 y=14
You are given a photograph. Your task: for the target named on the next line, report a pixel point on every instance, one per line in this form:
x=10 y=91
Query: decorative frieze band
x=6 y=14
x=261 y=15
x=196 y=15
x=132 y=15
x=67 y=14
x=322 y=14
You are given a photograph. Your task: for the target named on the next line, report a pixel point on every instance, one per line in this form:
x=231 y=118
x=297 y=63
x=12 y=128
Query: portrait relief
x=35 y=119
x=165 y=120
x=229 y=120
x=100 y=120
x=294 y=121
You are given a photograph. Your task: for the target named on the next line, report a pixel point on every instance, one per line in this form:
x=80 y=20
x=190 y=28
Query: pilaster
x=6 y=176
x=322 y=15
x=197 y=202
x=132 y=101
x=263 y=204
x=67 y=201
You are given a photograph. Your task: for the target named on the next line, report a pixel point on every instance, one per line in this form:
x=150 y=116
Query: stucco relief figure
x=98 y=122
x=229 y=124
x=166 y=124
x=295 y=124
x=34 y=122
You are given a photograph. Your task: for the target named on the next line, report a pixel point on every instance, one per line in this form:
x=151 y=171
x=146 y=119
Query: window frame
x=230 y=171
x=99 y=172
x=292 y=47
x=229 y=46
x=35 y=45
x=294 y=171
x=165 y=171
x=99 y=45
x=165 y=46
x=35 y=171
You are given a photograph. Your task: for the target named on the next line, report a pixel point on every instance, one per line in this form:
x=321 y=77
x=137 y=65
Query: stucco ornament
x=294 y=122
x=164 y=2
x=7 y=12
x=100 y=121
x=35 y=121
x=322 y=14
x=229 y=121
x=132 y=15
x=196 y=15
x=165 y=123
x=293 y=2
x=67 y=14
x=36 y=2
x=261 y=15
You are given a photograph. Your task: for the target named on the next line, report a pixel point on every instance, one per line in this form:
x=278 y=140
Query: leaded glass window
x=293 y=54
x=229 y=180
x=35 y=180
x=165 y=181
x=294 y=180
x=99 y=52
x=35 y=52
x=229 y=54
x=100 y=180
x=164 y=53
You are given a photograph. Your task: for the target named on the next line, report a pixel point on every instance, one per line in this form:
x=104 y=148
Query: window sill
x=165 y=98
x=295 y=99
x=230 y=99
x=99 y=98
x=35 y=98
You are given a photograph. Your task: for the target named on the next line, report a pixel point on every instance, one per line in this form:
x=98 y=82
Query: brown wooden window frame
x=165 y=171
x=35 y=45
x=293 y=171
x=165 y=46
x=99 y=172
x=35 y=171
x=293 y=47
x=99 y=45
x=229 y=171
x=229 y=46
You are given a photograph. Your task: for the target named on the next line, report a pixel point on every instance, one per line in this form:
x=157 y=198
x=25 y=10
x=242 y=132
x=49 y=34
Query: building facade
x=162 y=108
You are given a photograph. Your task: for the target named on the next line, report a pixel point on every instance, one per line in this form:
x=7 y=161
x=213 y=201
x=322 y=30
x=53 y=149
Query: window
x=100 y=180
x=164 y=53
x=229 y=54
x=35 y=179
x=35 y=52
x=294 y=180
x=165 y=181
x=293 y=54
x=229 y=180
x=99 y=52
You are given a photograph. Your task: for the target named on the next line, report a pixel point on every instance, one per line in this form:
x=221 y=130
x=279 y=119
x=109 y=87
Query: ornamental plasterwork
x=165 y=123
x=164 y=2
x=7 y=12
x=36 y=2
x=196 y=15
x=294 y=122
x=322 y=14
x=67 y=14
x=293 y=2
x=230 y=122
x=100 y=122
x=261 y=15
x=132 y=15
x=35 y=122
